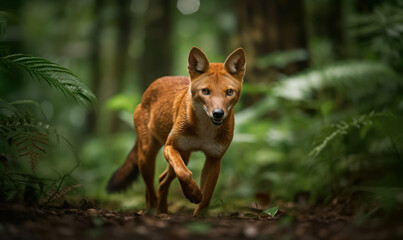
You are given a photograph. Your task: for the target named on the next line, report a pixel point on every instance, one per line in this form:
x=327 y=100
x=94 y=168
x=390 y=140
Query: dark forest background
x=320 y=116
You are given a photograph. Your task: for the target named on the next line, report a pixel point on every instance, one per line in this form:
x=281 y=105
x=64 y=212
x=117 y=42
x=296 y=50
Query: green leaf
x=271 y=211
x=123 y=102
x=55 y=75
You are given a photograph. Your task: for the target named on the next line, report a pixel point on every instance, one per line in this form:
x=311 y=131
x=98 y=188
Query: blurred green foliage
x=24 y=136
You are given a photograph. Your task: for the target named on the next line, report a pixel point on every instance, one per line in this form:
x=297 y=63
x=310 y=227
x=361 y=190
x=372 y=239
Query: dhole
x=184 y=115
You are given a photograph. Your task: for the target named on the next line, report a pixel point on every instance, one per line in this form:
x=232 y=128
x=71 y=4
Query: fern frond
x=30 y=138
x=55 y=75
x=355 y=77
x=6 y=106
x=343 y=128
x=381 y=30
x=22 y=134
x=31 y=145
x=53 y=195
x=28 y=102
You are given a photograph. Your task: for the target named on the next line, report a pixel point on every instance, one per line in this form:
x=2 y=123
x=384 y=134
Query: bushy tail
x=126 y=174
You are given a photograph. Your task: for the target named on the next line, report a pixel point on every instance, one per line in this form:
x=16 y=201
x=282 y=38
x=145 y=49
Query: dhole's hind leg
x=165 y=180
x=147 y=154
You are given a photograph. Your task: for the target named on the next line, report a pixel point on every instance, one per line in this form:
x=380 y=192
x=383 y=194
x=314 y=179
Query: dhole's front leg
x=189 y=186
x=209 y=178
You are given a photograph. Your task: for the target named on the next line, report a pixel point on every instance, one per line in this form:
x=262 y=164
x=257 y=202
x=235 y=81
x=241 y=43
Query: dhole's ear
x=197 y=62
x=235 y=63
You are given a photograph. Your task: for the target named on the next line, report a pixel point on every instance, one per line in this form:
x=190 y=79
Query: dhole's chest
x=205 y=143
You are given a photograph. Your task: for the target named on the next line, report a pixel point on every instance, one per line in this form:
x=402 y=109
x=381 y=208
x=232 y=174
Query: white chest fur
x=201 y=143
x=204 y=141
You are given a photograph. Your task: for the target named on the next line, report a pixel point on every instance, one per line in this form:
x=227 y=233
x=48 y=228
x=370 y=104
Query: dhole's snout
x=218 y=116
x=218 y=113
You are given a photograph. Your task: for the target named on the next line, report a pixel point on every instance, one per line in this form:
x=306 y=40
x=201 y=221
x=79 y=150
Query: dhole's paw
x=191 y=191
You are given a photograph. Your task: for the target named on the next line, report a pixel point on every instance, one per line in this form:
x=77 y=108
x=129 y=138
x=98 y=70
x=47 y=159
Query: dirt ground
x=88 y=221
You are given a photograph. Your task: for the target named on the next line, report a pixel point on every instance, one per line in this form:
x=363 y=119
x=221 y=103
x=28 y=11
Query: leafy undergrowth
x=291 y=221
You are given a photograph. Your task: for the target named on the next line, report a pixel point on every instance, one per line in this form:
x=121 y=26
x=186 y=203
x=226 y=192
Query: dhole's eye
x=205 y=91
x=230 y=92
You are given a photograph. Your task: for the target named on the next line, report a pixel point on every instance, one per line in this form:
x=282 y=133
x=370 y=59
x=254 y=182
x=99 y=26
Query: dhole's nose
x=218 y=113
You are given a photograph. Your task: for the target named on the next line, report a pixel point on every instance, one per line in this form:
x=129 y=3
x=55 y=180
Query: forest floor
x=89 y=221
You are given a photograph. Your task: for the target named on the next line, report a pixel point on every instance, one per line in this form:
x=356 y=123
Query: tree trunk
x=122 y=42
x=326 y=21
x=268 y=26
x=108 y=81
x=121 y=54
x=157 y=56
x=95 y=62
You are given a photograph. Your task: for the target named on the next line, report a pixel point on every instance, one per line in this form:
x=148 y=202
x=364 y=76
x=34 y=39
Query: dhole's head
x=216 y=87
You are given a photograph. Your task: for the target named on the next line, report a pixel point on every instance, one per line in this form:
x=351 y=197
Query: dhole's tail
x=126 y=174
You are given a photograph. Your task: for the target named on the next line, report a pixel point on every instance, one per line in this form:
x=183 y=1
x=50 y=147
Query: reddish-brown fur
x=176 y=113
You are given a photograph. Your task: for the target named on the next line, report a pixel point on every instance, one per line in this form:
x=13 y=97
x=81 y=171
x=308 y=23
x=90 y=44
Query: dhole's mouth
x=217 y=122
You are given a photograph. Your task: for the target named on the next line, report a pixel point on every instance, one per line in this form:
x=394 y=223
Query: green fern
x=355 y=78
x=59 y=77
x=53 y=195
x=32 y=146
x=381 y=31
x=22 y=135
x=343 y=128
